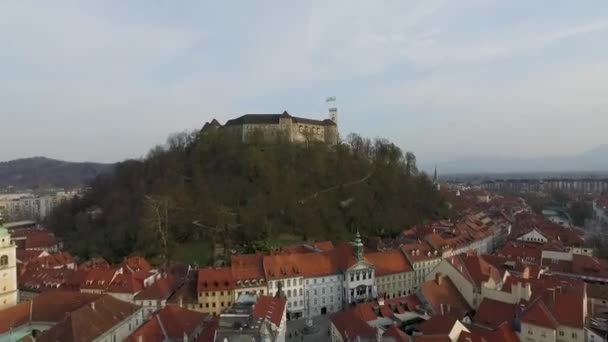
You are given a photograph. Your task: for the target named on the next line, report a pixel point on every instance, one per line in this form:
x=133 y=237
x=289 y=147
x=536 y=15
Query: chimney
x=442 y=309
x=185 y=337
x=93 y=305
x=181 y=302
x=140 y=338
x=438 y=279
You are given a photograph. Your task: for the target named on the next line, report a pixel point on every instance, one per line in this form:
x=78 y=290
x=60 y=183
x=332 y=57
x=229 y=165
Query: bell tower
x=8 y=269
x=358 y=247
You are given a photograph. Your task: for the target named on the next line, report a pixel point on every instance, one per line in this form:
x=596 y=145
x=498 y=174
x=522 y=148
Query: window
x=288 y=293
x=300 y=282
x=222 y=304
x=323 y=291
x=289 y=305
x=307 y=282
x=573 y=335
x=270 y=285
x=300 y=292
x=4 y=260
x=301 y=303
x=358 y=276
x=315 y=280
x=543 y=334
x=315 y=291
x=364 y=276
x=206 y=305
x=530 y=332
x=213 y=305
x=221 y=293
x=288 y=282
x=352 y=277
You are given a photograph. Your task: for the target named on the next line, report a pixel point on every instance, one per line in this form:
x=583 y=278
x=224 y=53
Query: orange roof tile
x=270 y=308
x=538 y=314
x=90 y=321
x=46 y=307
x=443 y=292
x=215 y=279
x=247 y=267
x=389 y=262
x=437 y=325
x=492 y=313
x=162 y=288
x=175 y=321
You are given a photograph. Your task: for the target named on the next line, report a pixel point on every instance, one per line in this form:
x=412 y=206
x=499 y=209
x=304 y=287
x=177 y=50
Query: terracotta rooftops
x=125 y=283
x=351 y=326
x=492 y=313
x=170 y=323
x=47 y=307
x=444 y=297
x=538 y=314
x=248 y=267
x=90 y=321
x=437 y=325
x=270 y=308
x=162 y=288
x=475 y=269
x=215 y=279
x=389 y=262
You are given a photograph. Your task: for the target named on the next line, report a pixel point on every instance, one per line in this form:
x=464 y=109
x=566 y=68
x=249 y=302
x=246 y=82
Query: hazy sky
x=107 y=80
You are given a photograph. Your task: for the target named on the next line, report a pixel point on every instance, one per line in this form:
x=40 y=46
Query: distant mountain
x=40 y=172
x=591 y=161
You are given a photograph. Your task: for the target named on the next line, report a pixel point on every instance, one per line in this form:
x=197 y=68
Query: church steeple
x=436 y=179
x=358 y=247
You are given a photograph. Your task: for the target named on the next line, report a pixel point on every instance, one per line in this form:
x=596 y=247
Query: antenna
x=333 y=110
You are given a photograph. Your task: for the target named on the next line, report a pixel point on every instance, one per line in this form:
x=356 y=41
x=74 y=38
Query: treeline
x=211 y=187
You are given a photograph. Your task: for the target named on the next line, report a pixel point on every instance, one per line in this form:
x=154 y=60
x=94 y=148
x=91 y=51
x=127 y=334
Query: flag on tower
x=331 y=99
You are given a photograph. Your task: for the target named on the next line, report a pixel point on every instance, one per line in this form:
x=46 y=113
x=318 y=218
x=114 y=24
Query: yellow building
x=215 y=289
x=8 y=269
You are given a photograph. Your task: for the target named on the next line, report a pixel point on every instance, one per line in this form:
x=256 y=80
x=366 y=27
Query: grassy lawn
x=196 y=251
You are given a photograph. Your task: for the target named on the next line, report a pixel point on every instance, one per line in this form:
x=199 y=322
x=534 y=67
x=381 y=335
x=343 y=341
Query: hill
x=595 y=160
x=40 y=172
x=210 y=187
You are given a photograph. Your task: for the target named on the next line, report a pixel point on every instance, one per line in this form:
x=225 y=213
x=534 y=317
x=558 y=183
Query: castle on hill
x=275 y=126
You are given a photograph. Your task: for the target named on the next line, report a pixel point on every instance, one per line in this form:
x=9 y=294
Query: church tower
x=8 y=269
x=358 y=247
x=436 y=179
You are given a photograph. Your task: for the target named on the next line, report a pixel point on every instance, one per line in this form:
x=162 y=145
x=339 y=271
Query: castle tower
x=8 y=269
x=358 y=247
x=333 y=110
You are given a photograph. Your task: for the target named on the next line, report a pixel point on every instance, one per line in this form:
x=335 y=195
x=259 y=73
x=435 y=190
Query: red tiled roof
x=476 y=269
x=136 y=264
x=125 y=283
x=437 y=325
x=397 y=334
x=247 y=267
x=55 y=260
x=46 y=307
x=90 y=321
x=492 y=313
x=40 y=239
x=98 y=279
x=447 y=294
x=44 y=279
x=350 y=325
x=94 y=263
x=162 y=288
x=538 y=314
x=215 y=279
x=389 y=262
x=175 y=322
x=270 y=308
x=25 y=255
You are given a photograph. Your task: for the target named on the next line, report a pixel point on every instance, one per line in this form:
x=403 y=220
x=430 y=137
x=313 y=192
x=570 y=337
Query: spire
x=436 y=179
x=358 y=246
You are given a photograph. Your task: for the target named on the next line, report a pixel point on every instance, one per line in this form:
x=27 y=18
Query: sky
x=108 y=80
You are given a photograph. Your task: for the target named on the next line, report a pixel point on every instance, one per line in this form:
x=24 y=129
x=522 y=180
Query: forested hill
x=211 y=187
x=40 y=172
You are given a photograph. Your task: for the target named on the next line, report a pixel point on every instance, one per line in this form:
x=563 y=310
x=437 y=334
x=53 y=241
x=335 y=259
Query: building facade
x=273 y=127
x=8 y=270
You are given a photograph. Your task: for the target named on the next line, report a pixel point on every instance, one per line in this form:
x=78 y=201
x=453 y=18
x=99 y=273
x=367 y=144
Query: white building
x=359 y=282
x=8 y=270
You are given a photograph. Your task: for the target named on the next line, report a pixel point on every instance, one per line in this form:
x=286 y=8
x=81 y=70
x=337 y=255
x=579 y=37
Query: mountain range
x=595 y=160
x=40 y=172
